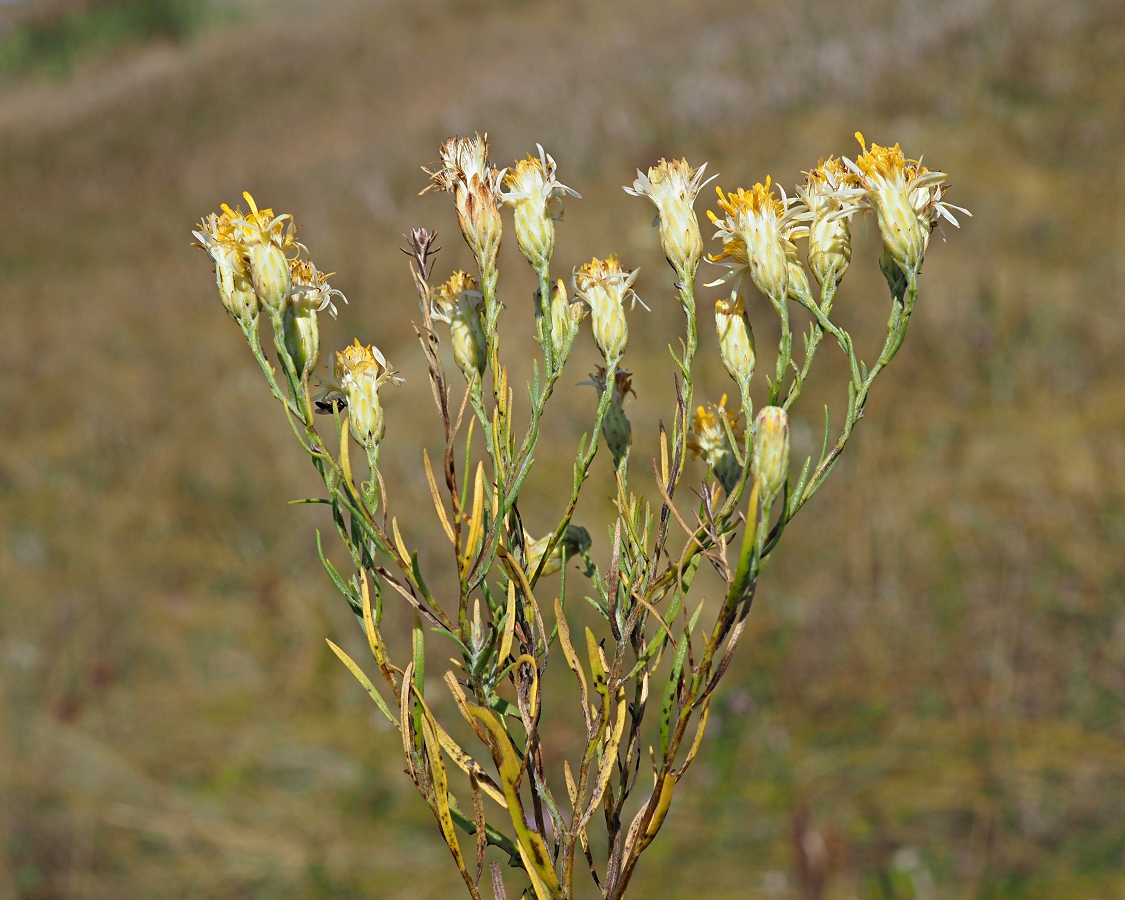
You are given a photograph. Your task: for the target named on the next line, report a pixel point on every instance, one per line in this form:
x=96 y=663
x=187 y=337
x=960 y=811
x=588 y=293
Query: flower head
x=829 y=196
x=757 y=234
x=310 y=288
x=458 y=303
x=359 y=373
x=907 y=198
x=604 y=286
x=464 y=171
x=309 y=294
x=216 y=235
x=709 y=439
x=269 y=242
x=531 y=188
x=672 y=187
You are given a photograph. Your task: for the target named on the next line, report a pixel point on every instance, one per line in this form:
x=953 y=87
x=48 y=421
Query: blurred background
x=930 y=702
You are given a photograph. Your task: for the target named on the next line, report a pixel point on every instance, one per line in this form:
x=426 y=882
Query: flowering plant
x=646 y=678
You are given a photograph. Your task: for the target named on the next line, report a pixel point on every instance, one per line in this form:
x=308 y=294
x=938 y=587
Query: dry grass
x=935 y=671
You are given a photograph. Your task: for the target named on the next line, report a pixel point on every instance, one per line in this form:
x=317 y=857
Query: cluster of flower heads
x=259 y=265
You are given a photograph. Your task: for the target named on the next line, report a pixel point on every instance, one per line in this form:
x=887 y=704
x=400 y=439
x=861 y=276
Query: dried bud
x=531 y=188
x=575 y=541
x=907 y=198
x=360 y=372
x=769 y=462
x=708 y=438
x=603 y=286
x=828 y=194
x=673 y=187
x=464 y=172
x=458 y=304
x=757 y=236
x=736 y=340
x=616 y=430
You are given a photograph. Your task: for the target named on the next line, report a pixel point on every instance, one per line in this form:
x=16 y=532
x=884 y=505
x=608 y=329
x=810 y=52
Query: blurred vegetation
x=54 y=40
x=931 y=701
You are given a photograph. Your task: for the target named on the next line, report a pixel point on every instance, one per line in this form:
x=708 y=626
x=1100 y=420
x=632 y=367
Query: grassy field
x=934 y=680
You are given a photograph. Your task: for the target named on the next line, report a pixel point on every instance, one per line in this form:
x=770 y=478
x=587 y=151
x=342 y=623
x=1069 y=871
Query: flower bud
x=673 y=187
x=736 y=340
x=302 y=336
x=798 y=280
x=616 y=430
x=769 y=461
x=603 y=286
x=564 y=321
x=531 y=188
x=360 y=372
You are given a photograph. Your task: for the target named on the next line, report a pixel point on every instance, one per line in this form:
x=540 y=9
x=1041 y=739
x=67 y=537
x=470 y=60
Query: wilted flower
x=757 y=236
x=458 y=303
x=673 y=187
x=708 y=438
x=829 y=202
x=603 y=286
x=359 y=373
x=736 y=340
x=616 y=430
x=907 y=198
x=575 y=541
x=232 y=268
x=531 y=188
x=769 y=462
x=464 y=172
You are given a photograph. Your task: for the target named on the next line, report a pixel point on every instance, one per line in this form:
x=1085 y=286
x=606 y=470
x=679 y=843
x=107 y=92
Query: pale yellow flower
x=908 y=200
x=829 y=198
x=708 y=435
x=757 y=234
x=604 y=286
x=268 y=242
x=673 y=186
x=458 y=304
x=359 y=373
x=532 y=186
x=232 y=268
